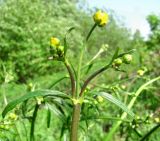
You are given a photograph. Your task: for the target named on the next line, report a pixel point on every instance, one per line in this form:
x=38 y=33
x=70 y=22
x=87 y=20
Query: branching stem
x=91 y=77
x=73 y=82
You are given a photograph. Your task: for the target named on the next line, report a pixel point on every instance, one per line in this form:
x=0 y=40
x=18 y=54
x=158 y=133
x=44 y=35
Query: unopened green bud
x=30 y=86
x=100 y=99
x=117 y=62
x=127 y=59
x=140 y=72
x=60 y=50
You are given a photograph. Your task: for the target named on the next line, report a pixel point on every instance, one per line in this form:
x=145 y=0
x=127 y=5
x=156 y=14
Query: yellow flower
x=101 y=18
x=55 y=42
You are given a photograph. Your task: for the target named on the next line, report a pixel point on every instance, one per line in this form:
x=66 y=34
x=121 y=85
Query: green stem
x=150 y=132
x=91 y=77
x=75 y=122
x=92 y=29
x=73 y=83
x=33 y=122
x=77 y=107
x=117 y=124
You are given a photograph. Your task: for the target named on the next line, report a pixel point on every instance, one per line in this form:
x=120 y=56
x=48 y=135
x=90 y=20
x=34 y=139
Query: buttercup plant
x=78 y=94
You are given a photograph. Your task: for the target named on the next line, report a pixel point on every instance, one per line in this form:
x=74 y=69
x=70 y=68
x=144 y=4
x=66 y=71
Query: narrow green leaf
x=117 y=102
x=56 y=111
x=57 y=81
x=29 y=95
x=33 y=122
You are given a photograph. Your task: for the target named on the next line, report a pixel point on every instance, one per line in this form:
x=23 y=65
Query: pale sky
x=132 y=12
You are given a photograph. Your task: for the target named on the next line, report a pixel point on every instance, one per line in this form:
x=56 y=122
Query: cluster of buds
x=126 y=59
x=7 y=123
x=56 y=49
x=101 y=18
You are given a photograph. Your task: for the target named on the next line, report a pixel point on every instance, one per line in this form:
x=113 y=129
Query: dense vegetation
x=25 y=66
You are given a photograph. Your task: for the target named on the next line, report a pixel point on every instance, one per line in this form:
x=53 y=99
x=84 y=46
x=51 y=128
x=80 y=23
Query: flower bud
x=157 y=120
x=13 y=116
x=100 y=99
x=140 y=72
x=127 y=58
x=60 y=51
x=54 y=42
x=101 y=18
x=117 y=62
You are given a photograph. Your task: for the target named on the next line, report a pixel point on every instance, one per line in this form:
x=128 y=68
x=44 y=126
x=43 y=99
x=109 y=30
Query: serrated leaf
x=11 y=105
x=117 y=102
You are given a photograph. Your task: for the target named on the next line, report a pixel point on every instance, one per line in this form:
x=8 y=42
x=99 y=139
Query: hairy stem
x=77 y=107
x=75 y=122
x=73 y=84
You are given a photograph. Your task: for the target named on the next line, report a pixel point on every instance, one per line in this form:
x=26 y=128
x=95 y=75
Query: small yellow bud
x=157 y=120
x=40 y=100
x=140 y=72
x=13 y=116
x=101 y=18
x=117 y=62
x=123 y=87
x=127 y=58
x=55 y=42
x=99 y=99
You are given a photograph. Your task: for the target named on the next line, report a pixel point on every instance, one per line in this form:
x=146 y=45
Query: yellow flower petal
x=54 y=42
x=101 y=18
